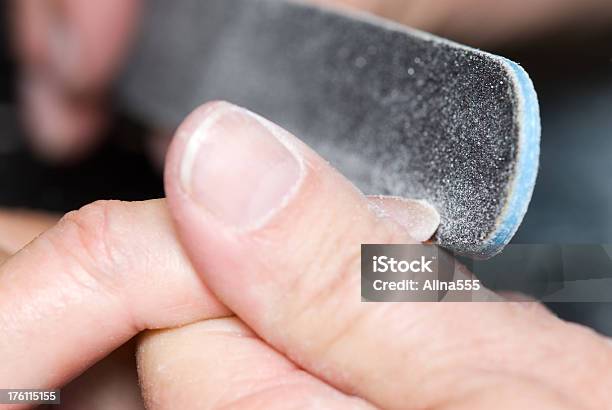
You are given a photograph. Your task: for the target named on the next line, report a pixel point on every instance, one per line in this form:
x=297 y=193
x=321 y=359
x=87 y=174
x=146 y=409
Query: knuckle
x=328 y=274
x=90 y=237
x=335 y=272
x=331 y=281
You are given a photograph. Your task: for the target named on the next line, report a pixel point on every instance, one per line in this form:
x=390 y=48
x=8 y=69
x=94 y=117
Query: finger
x=19 y=227
x=418 y=218
x=252 y=375
x=89 y=284
x=276 y=234
x=222 y=364
x=111 y=383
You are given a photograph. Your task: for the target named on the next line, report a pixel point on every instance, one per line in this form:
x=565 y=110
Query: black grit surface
x=398 y=112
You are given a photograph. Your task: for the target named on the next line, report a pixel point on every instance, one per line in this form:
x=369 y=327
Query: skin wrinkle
x=270 y=384
x=370 y=318
x=468 y=347
x=179 y=307
x=91 y=228
x=339 y=285
x=278 y=388
x=60 y=302
x=73 y=268
x=74 y=264
x=501 y=359
x=491 y=351
x=332 y=233
x=3 y=256
x=449 y=357
x=328 y=287
x=332 y=341
x=492 y=382
x=107 y=266
x=32 y=291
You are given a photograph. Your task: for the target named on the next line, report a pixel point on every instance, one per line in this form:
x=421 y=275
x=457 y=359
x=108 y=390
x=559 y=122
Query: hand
x=286 y=263
x=110 y=384
x=70 y=51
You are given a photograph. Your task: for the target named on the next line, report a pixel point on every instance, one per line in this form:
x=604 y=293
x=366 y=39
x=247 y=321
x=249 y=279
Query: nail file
x=398 y=111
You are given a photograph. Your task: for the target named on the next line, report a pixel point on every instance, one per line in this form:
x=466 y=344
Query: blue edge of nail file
x=398 y=111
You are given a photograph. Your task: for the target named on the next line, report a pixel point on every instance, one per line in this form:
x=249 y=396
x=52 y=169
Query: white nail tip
x=194 y=142
x=418 y=217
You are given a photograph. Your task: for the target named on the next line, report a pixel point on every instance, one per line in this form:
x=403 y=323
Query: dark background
x=118 y=171
x=572 y=201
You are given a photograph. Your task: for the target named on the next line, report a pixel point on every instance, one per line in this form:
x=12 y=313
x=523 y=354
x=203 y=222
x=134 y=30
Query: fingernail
x=417 y=217
x=241 y=168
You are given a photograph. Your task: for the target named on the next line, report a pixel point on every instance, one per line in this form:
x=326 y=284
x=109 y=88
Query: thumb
x=275 y=232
